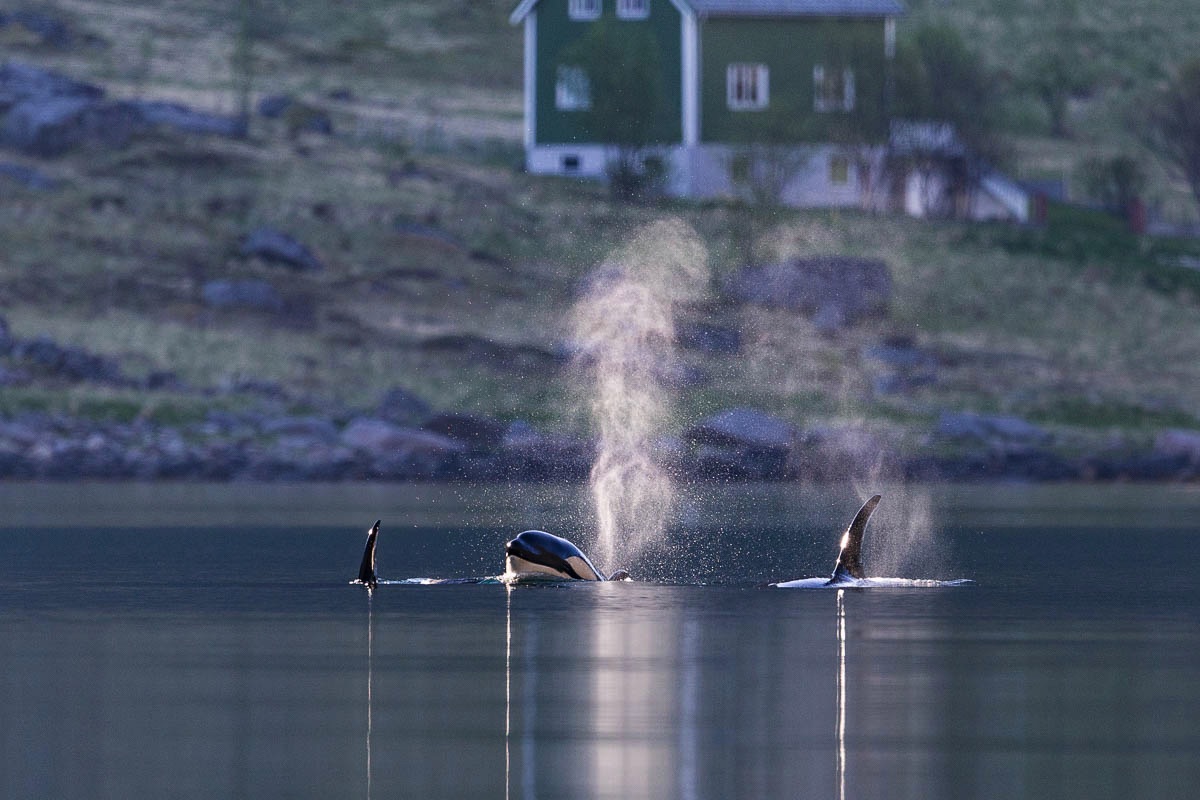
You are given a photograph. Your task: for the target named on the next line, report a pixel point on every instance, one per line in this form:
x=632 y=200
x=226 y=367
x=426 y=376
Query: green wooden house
x=740 y=79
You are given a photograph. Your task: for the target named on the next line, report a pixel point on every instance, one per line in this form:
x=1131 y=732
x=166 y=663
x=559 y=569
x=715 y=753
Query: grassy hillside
x=414 y=71
x=452 y=274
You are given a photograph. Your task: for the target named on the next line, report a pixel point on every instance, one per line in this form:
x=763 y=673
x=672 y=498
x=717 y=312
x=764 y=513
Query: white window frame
x=840 y=163
x=583 y=9
x=633 y=9
x=747 y=86
x=572 y=89
x=825 y=102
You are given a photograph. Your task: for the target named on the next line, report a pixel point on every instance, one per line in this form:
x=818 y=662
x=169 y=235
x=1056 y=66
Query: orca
x=532 y=556
x=540 y=556
x=849 y=562
x=366 y=570
x=848 y=569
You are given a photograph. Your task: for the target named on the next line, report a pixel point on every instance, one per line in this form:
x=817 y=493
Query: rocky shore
x=735 y=445
x=401 y=438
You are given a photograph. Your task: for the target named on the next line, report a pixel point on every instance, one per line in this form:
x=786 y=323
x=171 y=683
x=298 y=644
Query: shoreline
x=460 y=448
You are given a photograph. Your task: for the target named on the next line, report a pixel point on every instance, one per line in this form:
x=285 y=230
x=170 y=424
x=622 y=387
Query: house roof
x=765 y=8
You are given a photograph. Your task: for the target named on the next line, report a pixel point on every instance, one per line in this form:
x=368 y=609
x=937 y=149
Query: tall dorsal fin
x=849 y=563
x=366 y=570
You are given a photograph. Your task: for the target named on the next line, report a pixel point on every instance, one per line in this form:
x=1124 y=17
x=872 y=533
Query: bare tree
x=761 y=172
x=1172 y=125
x=938 y=77
x=776 y=150
x=950 y=102
x=1063 y=65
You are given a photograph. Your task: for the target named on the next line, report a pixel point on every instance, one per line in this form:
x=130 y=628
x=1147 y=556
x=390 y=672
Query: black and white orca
x=531 y=557
x=540 y=556
x=366 y=570
x=848 y=571
x=849 y=562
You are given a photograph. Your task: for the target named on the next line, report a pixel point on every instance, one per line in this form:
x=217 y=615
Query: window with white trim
x=833 y=89
x=839 y=170
x=583 y=9
x=747 y=86
x=633 y=9
x=572 y=90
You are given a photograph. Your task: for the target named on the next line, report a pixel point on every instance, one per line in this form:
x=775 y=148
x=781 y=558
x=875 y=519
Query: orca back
x=849 y=562
x=366 y=570
x=537 y=553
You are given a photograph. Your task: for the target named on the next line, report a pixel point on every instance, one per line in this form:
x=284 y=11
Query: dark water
x=202 y=642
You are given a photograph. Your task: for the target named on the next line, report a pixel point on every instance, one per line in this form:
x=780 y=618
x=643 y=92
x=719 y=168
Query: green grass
x=1082 y=413
x=1077 y=324
x=1020 y=321
x=1096 y=240
x=111 y=405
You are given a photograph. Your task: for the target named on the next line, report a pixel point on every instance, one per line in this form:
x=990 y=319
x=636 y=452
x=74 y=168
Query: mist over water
x=902 y=540
x=624 y=326
x=626 y=369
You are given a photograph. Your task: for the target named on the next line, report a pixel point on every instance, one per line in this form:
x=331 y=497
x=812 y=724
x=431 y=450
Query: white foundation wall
x=583 y=160
x=702 y=171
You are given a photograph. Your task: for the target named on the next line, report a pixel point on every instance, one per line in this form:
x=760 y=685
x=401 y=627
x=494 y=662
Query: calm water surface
x=202 y=642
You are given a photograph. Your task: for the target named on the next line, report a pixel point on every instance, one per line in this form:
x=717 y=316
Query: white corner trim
x=690 y=106
x=530 y=79
x=521 y=11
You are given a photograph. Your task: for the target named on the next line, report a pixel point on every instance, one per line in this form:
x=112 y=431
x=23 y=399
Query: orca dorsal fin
x=366 y=570
x=849 y=562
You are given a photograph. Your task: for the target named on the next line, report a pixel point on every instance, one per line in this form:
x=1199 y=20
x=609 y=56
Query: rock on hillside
x=834 y=290
x=744 y=427
x=20 y=82
x=27 y=176
x=1179 y=443
x=743 y=443
x=994 y=428
x=46 y=114
x=278 y=247
x=253 y=295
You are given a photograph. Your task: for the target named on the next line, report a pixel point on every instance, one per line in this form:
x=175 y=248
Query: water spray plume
x=906 y=541
x=624 y=326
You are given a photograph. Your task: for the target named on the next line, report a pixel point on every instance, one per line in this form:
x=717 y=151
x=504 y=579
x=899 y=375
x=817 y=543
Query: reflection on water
x=529 y=739
x=528 y=703
x=507 y=692
x=689 y=704
x=841 y=694
x=370 y=680
x=235 y=661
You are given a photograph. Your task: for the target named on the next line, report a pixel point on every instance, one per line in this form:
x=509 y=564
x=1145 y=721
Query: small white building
x=933 y=174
